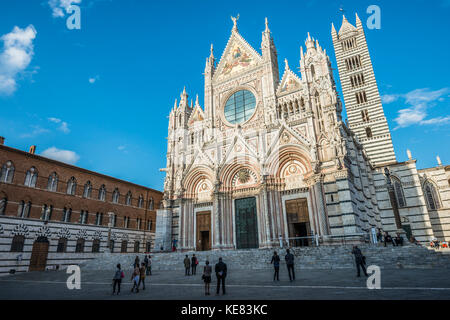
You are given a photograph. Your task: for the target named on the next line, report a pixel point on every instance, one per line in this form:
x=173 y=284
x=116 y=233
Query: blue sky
x=99 y=97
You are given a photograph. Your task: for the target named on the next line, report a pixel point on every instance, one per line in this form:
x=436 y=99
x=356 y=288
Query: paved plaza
x=241 y=285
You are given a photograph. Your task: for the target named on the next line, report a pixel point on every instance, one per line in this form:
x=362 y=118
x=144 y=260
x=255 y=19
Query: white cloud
x=66 y=156
x=55 y=120
x=36 y=131
x=18 y=50
x=94 y=79
x=64 y=127
x=120 y=148
x=59 y=7
x=388 y=98
x=420 y=100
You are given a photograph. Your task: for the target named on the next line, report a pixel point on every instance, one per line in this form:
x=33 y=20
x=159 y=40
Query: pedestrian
x=207 y=270
x=194 y=264
x=117 y=280
x=387 y=238
x=359 y=260
x=149 y=266
x=221 y=274
x=142 y=276
x=290 y=264
x=135 y=279
x=136 y=262
x=276 y=265
x=379 y=236
x=146 y=262
x=187 y=265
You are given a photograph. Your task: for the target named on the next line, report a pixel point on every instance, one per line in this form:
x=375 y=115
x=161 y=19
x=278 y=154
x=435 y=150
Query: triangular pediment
x=237 y=57
x=239 y=148
x=289 y=82
x=287 y=135
x=197 y=115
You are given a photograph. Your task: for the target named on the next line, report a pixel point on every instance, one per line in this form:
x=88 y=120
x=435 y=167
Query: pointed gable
x=346 y=27
x=197 y=115
x=237 y=57
x=289 y=82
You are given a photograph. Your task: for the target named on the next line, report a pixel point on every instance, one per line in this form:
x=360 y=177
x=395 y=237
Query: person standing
x=136 y=262
x=207 y=270
x=359 y=259
x=187 y=265
x=142 y=276
x=290 y=264
x=221 y=274
x=276 y=265
x=149 y=266
x=135 y=279
x=194 y=264
x=146 y=263
x=117 y=280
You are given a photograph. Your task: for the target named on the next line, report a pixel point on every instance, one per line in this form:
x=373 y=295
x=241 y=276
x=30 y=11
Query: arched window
x=67 y=213
x=72 y=186
x=84 y=217
x=80 y=245
x=313 y=72
x=24 y=209
x=96 y=245
x=102 y=193
x=99 y=219
x=46 y=214
x=52 y=182
x=17 y=243
x=31 y=177
x=136 y=246
x=128 y=199
x=398 y=189
x=115 y=196
x=432 y=196
x=3 y=203
x=87 y=190
x=151 y=204
x=124 y=246
x=140 y=201
x=7 y=173
x=62 y=245
x=368 y=132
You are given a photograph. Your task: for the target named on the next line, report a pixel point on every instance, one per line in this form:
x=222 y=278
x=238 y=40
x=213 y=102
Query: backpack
x=122 y=275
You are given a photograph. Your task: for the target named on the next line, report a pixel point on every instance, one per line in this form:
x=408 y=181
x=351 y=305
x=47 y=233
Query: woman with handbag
x=117 y=280
x=206 y=277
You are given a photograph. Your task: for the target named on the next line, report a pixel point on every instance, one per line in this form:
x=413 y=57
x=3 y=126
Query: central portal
x=246 y=223
x=203 y=230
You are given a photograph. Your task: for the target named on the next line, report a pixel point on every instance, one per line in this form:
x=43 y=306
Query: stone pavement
x=241 y=284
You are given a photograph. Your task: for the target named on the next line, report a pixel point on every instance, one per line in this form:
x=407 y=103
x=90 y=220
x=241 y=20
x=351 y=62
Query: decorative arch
x=431 y=193
x=288 y=153
x=198 y=182
x=231 y=174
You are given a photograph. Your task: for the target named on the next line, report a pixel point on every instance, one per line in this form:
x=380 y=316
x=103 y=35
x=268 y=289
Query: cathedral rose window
x=240 y=107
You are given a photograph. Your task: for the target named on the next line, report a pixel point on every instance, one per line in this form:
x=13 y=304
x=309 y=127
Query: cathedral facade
x=269 y=157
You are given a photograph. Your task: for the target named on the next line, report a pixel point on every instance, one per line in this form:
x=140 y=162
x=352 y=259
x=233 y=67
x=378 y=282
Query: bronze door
x=246 y=223
x=203 y=224
x=298 y=221
x=39 y=254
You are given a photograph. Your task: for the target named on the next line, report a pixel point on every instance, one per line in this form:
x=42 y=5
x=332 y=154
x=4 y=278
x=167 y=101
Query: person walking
x=187 y=265
x=117 y=280
x=135 y=279
x=207 y=270
x=221 y=274
x=359 y=260
x=146 y=262
x=142 y=276
x=276 y=265
x=290 y=264
x=194 y=264
x=149 y=266
x=136 y=262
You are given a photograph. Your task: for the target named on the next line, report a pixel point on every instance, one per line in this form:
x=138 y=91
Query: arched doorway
x=246 y=223
x=39 y=254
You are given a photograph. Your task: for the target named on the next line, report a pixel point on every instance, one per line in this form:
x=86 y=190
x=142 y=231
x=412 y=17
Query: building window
x=67 y=213
x=432 y=196
x=62 y=245
x=148 y=246
x=17 y=243
x=151 y=204
x=140 y=201
x=353 y=63
x=136 y=246
x=313 y=72
x=126 y=222
x=52 y=182
x=240 y=107
x=96 y=245
x=361 y=97
x=72 y=186
x=83 y=217
x=24 y=209
x=138 y=223
x=124 y=246
x=398 y=189
x=46 y=213
x=102 y=193
x=115 y=196
x=3 y=203
x=7 y=173
x=365 y=115
x=79 y=247
x=99 y=219
x=87 y=192
x=128 y=199
x=111 y=245
x=149 y=224
x=114 y=220
x=31 y=177
x=368 y=132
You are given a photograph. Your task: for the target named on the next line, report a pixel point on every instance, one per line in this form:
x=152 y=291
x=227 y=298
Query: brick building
x=53 y=213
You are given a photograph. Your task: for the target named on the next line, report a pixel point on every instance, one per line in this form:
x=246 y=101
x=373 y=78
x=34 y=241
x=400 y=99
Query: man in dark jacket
x=359 y=259
x=276 y=265
x=194 y=264
x=187 y=265
x=290 y=264
x=221 y=273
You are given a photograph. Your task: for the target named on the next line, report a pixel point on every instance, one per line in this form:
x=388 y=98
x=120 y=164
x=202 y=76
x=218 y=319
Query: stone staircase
x=324 y=257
